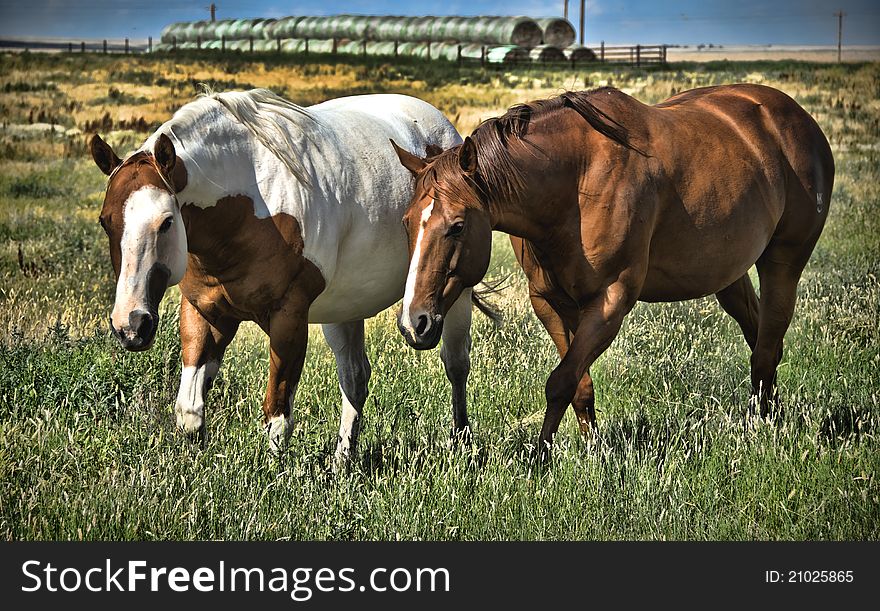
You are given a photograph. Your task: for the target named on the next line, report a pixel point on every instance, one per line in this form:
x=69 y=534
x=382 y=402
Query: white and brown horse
x=608 y=202
x=266 y=211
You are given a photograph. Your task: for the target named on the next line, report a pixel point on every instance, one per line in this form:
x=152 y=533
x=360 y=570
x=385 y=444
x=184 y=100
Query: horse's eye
x=166 y=225
x=456 y=229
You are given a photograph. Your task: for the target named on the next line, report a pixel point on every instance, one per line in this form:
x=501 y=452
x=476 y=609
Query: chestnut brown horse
x=609 y=201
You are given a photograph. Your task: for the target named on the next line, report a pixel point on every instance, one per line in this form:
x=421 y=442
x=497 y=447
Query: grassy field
x=88 y=448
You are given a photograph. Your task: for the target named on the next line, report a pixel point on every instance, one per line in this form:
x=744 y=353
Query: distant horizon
x=679 y=22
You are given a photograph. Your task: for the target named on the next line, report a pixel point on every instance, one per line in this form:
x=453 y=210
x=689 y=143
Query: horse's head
x=450 y=239
x=148 y=248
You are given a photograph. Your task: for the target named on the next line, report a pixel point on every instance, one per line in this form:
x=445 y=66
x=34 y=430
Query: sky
x=683 y=22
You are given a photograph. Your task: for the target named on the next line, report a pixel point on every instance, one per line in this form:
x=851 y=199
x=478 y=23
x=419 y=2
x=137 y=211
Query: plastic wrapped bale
x=362 y=27
x=519 y=31
x=221 y=29
x=578 y=53
x=557 y=31
x=480 y=28
x=320 y=46
x=172 y=31
x=304 y=28
x=212 y=44
x=260 y=27
x=293 y=45
x=416 y=29
x=388 y=28
x=506 y=54
x=193 y=31
x=283 y=28
x=162 y=47
x=384 y=47
x=443 y=28
x=352 y=47
x=265 y=46
x=546 y=53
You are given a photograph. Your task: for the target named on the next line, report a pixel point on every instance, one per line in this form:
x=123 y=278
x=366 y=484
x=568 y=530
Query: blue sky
x=799 y=22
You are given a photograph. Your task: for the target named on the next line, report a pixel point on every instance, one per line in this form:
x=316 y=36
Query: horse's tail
x=478 y=298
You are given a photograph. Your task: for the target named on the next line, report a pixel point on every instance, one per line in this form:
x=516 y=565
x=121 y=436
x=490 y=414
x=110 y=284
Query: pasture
x=88 y=448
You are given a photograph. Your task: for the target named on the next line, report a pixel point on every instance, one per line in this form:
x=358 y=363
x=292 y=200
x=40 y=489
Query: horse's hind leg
x=202 y=347
x=739 y=300
x=779 y=270
x=455 y=354
x=346 y=340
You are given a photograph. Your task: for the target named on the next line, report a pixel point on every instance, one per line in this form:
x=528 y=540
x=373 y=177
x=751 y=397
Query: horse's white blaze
x=142 y=246
x=190 y=406
x=414 y=268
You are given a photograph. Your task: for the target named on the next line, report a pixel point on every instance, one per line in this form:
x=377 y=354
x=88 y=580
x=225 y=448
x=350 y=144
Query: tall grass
x=89 y=449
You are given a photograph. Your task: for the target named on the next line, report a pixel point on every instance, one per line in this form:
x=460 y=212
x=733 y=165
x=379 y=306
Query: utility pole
x=213 y=8
x=840 y=15
x=565 y=10
x=583 y=10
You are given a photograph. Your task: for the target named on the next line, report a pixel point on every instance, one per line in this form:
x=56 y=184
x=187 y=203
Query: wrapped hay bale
x=578 y=53
x=546 y=53
x=505 y=54
x=557 y=31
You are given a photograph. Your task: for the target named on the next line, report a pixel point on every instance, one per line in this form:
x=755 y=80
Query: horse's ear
x=104 y=157
x=432 y=150
x=165 y=155
x=467 y=157
x=411 y=162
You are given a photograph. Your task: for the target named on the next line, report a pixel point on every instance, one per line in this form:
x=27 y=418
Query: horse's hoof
x=279 y=429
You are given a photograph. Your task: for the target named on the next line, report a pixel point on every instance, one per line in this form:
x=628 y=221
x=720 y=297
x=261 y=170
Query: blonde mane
x=264 y=114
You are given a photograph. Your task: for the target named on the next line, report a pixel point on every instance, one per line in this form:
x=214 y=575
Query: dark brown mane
x=498 y=175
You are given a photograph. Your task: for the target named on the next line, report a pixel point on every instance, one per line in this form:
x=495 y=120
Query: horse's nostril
x=422 y=324
x=141 y=323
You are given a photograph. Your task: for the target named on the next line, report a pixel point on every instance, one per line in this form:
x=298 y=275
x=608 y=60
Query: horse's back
x=368 y=271
x=742 y=165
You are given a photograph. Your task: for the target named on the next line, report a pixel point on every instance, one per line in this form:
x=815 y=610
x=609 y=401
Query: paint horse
x=608 y=202
x=266 y=211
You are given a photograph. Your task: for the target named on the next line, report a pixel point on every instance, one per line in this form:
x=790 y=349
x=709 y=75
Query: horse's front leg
x=288 y=328
x=202 y=346
x=455 y=353
x=570 y=382
x=346 y=340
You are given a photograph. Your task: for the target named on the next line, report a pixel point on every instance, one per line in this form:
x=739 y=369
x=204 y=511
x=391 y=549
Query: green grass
x=88 y=448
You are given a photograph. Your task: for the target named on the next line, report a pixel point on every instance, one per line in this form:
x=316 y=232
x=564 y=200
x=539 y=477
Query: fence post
x=307 y=46
x=278 y=43
x=105 y=46
x=483 y=56
x=149 y=44
x=82 y=47
x=198 y=42
x=395 y=48
x=364 y=46
x=223 y=43
x=429 y=49
x=70 y=47
x=602 y=51
x=664 y=54
x=638 y=55
x=174 y=43
x=126 y=46
x=459 y=54
x=335 y=43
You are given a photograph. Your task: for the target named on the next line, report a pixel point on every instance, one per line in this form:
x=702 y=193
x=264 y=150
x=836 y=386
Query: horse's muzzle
x=140 y=332
x=426 y=333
